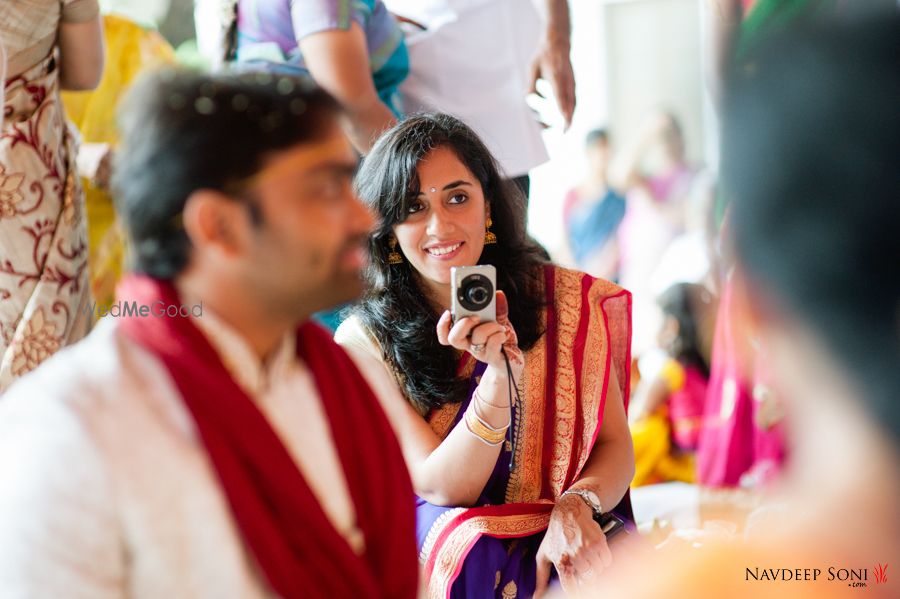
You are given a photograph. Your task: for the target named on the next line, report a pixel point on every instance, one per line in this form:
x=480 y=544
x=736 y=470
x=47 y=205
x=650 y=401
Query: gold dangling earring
x=394 y=256
x=489 y=236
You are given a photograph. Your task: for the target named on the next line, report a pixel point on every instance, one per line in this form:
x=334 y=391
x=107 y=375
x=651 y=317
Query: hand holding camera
x=478 y=322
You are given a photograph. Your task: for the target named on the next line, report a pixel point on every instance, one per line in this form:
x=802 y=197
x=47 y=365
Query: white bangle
x=477 y=396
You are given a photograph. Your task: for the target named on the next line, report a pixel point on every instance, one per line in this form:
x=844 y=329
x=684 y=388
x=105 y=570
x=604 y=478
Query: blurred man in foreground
x=207 y=440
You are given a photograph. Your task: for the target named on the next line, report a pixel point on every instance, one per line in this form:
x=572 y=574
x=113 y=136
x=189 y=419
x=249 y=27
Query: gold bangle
x=477 y=428
x=497 y=444
x=483 y=430
x=485 y=422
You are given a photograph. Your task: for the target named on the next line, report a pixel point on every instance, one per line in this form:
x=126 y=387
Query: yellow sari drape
x=130 y=50
x=654 y=458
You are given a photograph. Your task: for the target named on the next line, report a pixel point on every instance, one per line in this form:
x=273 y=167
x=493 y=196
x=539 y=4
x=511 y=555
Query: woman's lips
x=444 y=251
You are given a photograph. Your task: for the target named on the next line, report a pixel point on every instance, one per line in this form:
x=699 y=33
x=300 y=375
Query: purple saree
x=489 y=550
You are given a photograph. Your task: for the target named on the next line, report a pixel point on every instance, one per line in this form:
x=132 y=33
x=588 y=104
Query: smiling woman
x=433 y=183
x=445 y=227
x=497 y=420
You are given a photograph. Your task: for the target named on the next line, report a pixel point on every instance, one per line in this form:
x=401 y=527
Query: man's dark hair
x=183 y=131
x=811 y=161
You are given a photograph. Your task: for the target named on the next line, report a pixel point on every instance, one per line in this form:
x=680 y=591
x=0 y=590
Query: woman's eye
x=415 y=207
x=458 y=198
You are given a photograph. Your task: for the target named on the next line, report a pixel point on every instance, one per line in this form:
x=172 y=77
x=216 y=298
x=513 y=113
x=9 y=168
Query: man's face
x=308 y=250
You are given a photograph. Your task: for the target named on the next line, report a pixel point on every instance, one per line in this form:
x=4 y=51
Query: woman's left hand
x=574 y=544
x=486 y=341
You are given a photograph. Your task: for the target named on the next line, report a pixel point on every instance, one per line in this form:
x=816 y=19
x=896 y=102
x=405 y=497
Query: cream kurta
x=106 y=491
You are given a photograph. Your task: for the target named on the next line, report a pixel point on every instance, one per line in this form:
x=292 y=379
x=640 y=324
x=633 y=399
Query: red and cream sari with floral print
x=43 y=245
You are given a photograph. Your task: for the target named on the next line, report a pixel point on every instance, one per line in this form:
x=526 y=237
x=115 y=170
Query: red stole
x=287 y=532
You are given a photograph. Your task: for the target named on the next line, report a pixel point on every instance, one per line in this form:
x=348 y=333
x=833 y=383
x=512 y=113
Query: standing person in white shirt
x=478 y=59
x=206 y=440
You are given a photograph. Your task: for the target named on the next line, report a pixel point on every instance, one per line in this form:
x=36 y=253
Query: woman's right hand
x=485 y=340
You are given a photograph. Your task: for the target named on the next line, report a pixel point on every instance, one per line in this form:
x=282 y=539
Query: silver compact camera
x=473 y=292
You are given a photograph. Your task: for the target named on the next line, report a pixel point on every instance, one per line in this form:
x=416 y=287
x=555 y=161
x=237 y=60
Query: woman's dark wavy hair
x=682 y=302
x=394 y=309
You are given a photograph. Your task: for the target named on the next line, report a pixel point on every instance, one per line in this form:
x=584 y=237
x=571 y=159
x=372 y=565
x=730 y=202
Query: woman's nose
x=438 y=223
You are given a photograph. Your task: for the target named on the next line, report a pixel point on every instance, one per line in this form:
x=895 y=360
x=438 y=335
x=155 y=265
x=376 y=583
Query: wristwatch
x=589 y=497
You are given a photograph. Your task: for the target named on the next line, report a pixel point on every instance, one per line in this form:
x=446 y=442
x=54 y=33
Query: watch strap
x=589 y=497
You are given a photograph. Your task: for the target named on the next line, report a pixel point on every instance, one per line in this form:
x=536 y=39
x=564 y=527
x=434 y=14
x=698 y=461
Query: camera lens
x=475 y=292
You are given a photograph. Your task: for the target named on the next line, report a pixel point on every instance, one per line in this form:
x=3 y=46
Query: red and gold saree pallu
x=298 y=550
x=44 y=295
x=563 y=392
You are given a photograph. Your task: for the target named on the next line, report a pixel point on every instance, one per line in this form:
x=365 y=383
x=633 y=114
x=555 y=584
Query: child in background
x=666 y=414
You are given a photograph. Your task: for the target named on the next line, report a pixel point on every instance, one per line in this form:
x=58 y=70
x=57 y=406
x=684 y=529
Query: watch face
x=590 y=498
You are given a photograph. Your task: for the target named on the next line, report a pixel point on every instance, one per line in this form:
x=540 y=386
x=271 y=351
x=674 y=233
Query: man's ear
x=216 y=223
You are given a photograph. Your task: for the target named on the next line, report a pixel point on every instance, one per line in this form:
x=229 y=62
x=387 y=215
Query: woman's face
x=446 y=221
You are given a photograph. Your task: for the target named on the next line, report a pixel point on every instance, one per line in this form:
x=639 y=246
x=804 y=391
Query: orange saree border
x=590 y=325
x=571 y=406
x=524 y=483
x=462 y=532
x=613 y=301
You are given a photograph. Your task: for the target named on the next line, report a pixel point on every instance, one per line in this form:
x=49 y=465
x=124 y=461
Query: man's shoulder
x=353 y=333
x=81 y=376
x=350 y=329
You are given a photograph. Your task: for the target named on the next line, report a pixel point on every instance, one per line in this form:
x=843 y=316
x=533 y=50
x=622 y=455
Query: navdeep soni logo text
x=157 y=309
x=852 y=577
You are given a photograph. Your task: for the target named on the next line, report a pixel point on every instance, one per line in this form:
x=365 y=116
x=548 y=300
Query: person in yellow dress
x=666 y=417
x=131 y=48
